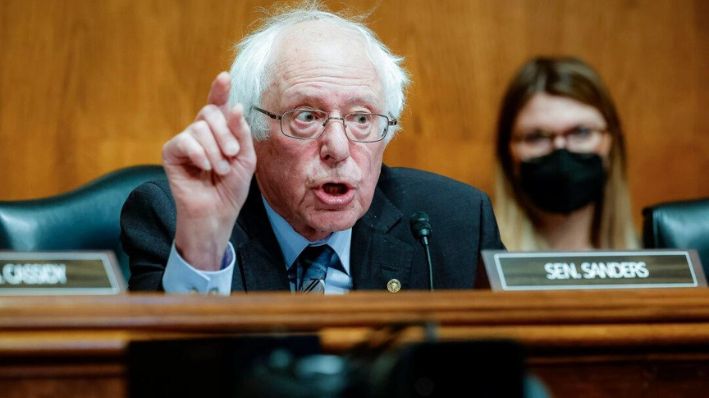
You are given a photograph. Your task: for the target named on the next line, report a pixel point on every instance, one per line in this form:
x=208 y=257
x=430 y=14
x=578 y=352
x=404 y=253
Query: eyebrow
x=319 y=102
x=589 y=125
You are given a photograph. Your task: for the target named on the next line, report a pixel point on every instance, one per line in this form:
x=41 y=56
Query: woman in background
x=561 y=181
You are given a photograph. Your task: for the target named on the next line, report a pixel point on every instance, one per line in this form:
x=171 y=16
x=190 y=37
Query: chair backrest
x=83 y=219
x=679 y=225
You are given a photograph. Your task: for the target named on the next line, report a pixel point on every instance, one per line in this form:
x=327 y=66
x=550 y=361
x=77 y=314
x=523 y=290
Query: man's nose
x=334 y=144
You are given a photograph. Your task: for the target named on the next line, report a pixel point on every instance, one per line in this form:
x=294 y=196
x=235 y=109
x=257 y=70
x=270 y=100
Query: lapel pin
x=393 y=286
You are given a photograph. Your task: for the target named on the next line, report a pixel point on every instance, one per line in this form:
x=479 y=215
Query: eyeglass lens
x=577 y=139
x=309 y=123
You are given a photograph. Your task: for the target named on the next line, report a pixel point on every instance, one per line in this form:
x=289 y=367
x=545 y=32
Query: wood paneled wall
x=90 y=86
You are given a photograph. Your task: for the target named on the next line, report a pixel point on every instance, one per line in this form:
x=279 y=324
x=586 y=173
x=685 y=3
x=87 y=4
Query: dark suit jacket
x=383 y=247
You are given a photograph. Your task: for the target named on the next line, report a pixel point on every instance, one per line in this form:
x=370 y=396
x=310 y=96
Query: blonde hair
x=612 y=226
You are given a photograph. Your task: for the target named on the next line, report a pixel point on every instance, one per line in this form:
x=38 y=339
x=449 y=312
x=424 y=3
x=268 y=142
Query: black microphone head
x=420 y=225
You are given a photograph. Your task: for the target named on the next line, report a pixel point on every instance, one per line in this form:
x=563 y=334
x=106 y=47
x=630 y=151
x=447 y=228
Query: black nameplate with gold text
x=59 y=273
x=628 y=269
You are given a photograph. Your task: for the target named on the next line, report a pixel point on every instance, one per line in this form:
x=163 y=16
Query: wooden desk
x=589 y=344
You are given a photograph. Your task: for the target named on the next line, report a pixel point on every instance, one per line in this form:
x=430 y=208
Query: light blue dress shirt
x=181 y=277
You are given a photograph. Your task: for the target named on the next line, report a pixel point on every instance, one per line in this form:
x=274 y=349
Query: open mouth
x=334 y=195
x=335 y=189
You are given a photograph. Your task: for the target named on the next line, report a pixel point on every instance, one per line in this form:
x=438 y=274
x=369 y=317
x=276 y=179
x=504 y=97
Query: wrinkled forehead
x=317 y=39
x=323 y=51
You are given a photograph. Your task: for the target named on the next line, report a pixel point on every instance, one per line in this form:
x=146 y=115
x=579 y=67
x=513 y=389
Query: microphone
x=421 y=229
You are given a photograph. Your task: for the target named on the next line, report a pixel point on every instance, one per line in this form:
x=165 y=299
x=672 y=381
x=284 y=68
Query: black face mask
x=563 y=181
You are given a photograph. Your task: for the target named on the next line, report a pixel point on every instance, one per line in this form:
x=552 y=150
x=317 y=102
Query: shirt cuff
x=181 y=277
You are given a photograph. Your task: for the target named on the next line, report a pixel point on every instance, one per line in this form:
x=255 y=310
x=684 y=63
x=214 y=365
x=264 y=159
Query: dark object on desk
x=86 y=218
x=289 y=367
x=678 y=225
x=214 y=367
x=449 y=369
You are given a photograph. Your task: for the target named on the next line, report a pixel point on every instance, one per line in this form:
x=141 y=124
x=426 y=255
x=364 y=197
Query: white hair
x=250 y=70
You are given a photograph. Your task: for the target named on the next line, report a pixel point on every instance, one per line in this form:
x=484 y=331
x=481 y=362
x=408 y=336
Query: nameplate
x=593 y=269
x=59 y=273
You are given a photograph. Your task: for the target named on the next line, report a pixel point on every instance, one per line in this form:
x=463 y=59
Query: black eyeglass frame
x=551 y=136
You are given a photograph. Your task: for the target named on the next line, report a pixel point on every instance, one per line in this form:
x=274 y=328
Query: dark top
x=382 y=248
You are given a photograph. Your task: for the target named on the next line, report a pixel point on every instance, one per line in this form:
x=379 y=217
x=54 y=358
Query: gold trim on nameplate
x=614 y=269
x=60 y=273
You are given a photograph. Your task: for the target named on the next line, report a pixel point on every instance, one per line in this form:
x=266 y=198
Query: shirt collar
x=292 y=243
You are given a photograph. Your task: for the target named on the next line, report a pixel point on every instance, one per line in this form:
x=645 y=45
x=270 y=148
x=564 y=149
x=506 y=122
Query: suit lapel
x=261 y=262
x=378 y=257
x=262 y=268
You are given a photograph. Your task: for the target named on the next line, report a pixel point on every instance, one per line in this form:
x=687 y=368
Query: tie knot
x=322 y=254
x=312 y=265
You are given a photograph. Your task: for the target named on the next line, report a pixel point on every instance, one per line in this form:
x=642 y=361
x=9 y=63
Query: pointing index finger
x=219 y=92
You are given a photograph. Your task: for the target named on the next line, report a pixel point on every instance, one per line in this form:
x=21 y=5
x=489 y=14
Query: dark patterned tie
x=312 y=265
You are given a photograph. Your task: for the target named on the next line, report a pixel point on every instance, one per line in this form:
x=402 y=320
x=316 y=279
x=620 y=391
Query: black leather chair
x=83 y=219
x=679 y=225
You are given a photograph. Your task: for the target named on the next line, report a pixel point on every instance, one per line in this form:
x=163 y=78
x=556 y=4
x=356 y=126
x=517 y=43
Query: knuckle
x=200 y=127
x=176 y=143
x=182 y=143
x=208 y=109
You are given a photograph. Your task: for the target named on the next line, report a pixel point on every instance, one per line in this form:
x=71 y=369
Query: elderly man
x=310 y=104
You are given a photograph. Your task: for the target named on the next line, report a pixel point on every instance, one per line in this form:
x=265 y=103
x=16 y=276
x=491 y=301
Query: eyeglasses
x=577 y=139
x=309 y=124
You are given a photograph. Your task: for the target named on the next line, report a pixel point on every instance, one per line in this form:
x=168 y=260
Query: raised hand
x=209 y=166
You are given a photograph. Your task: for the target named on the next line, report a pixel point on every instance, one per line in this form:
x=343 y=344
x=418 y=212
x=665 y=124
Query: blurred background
x=87 y=86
